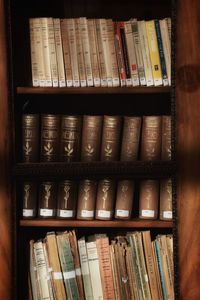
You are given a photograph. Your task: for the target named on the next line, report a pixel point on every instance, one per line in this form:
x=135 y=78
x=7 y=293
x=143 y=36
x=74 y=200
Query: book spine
x=119 y=52
x=166 y=152
x=50 y=133
x=29 y=200
x=66 y=199
x=34 y=55
x=105 y=199
x=91 y=137
x=148 y=199
x=110 y=144
x=80 y=57
x=86 y=199
x=70 y=138
x=124 y=199
x=34 y=280
x=46 y=51
x=160 y=266
x=166 y=199
x=52 y=52
x=130 y=138
x=166 y=46
x=47 y=200
x=30 y=137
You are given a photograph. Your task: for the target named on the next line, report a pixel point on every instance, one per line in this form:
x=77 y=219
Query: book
x=80 y=57
x=86 y=199
x=148 y=199
x=30 y=137
x=66 y=199
x=119 y=52
x=46 y=51
x=166 y=199
x=50 y=135
x=34 y=55
x=124 y=199
x=91 y=137
x=47 y=200
x=34 y=279
x=166 y=148
x=166 y=40
x=29 y=209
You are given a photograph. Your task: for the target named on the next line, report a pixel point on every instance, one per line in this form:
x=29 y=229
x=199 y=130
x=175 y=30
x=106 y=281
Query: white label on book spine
x=69 y=275
x=27 y=212
x=46 y=212
x=104 y=213
x=57 y=275
x=78 y=272
x=65 y=213
x=122 y=213
x=87 y=213
x=148 y=213
x=167 y=214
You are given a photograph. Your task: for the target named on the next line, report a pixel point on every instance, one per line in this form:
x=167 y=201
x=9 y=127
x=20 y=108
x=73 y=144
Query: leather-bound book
x=30 y=137
x=166 y=138
x=111 y=132
x=151 y=138
x=29 y=200
x=50 y=137
x=86 y=199
x=70 y=138
x=166 y=199
x=124 y=199
x=66 y=199
x=105 y=199
x=148 y=199
x=130 y=138
x=47 y=200
x=91 y=138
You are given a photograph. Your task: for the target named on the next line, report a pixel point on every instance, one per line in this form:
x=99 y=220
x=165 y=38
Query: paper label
x=46 y=212
x=167 y=214
x=122 y=213
x=148 y=213
x=27 y=212
x=104 y=213
x=87 y=213
x=69 y=275
x=57 y=275
x=65 y=213
x=78 y=272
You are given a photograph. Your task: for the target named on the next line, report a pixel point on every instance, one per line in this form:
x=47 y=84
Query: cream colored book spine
x=80 y=57
x=50 y=279
x=66 y=53
x=34 y=55
x=33 y=272
x=46 y=51
x=145 y=53
x=166 y=46
x=59 y=52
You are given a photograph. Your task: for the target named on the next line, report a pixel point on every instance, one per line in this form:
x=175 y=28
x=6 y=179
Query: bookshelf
x=146 y=100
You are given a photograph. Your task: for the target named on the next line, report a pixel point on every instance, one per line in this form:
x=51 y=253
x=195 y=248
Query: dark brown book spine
x=70 y=138
x=47 y=200
x=124 y=199
x=148 y=199
x=110 y=145
x=50 y=135
x=30 y=137
x=86 y=199
x=130 y=138
x=105 y=199
x=151 y=138
x=66 y=199
x=166 y=199
x=91 y=138
x=29 y=200
x=166 y=138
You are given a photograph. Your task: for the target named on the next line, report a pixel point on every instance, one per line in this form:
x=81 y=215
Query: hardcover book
x=66 y=199
x=29 y=199
x=30 y=137
x=47 y=200
x=86 y=199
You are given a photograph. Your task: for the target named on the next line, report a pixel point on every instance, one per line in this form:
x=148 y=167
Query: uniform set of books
x=130 y=266
x=87 y=138
x=82 y=52
x=106 y=199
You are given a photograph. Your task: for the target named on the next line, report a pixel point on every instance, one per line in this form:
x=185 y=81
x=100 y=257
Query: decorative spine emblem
x=47 y=195
x=26 y=194
x=66 y=197
x=89 y=149
x=27 y=148
x=48 y=148
x=108 y=150
x=69 y=149
x=86 y=191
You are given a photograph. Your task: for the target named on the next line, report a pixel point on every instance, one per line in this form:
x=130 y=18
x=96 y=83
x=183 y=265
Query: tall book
x=166 y=150
x=34 y=55
x=29 y=199
x=166 y=199
x=34 y=279
x=124 y=199
x=50 y=135
x=110 y=144
x=151 y=138
x=66 y=199
x=119 y=52
x=148 y=199
x=80 y=56
x=46 y=51
x=47 y=200
x=166 y=40
x=30 y=137
x=91 y=137
x=86 y=199
x=130 y=138
x=70 y=138
x=105 y=199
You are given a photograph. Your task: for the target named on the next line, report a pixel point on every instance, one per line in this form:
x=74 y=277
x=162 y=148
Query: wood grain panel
x=188 y=146
x=5 y=229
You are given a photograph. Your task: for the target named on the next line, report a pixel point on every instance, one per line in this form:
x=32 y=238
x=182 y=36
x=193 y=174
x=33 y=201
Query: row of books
x=100 y=52
x=129 y=266
x=103 y=200
x=95 y=137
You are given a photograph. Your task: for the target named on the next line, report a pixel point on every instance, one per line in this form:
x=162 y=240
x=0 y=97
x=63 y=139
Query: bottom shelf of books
x=119 y=265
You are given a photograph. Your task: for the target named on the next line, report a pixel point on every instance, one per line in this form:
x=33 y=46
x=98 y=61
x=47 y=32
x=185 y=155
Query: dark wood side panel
x=188 y=146
x=5 y=207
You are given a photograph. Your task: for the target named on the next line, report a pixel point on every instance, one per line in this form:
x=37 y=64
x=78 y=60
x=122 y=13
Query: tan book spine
x=80 y=57
x=91 y=137
x=148 y=199
x=124 y=199
x=30 y=137
x=130 y=138
x=52 y=49
x=166 y=40
x=34 y=278
x=59 y=52
x=66 y=52
x=49 y=276
x=105 y=199
x=166 y=151
x=166 y=199
x=66 y=199
x=86 y=199
x=131 y=273
x=151 y=138
x=70 y=138
x=114 y=270
x=46 y=51
x=50 y=135
x=47 y=200
x=34 y=55
x=29 y=200
x=156 y=270
x=110 y=144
